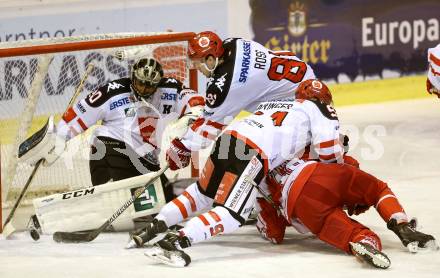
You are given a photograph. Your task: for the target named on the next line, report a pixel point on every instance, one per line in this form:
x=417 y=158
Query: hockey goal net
x=39 y=77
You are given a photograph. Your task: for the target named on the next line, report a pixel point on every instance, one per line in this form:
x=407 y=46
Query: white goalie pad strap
x=44 y=144
x=88 y=208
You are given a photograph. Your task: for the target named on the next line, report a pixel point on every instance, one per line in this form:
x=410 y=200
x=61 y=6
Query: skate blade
x=170 y=258
x=131 y=245
x=377 y=259
x=413 y=247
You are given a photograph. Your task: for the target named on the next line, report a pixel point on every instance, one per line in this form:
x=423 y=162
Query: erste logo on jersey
x=119 y=103
x=169 y=96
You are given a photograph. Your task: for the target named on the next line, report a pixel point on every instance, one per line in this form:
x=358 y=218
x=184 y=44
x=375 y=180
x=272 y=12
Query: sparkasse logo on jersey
x=245 y=62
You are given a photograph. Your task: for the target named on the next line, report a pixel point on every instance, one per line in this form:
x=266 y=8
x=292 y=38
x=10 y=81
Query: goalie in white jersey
x=133 y=112
x=241 y=158
x=241 y=74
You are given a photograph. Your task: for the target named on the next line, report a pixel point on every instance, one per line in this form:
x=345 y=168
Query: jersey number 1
x=277 y=117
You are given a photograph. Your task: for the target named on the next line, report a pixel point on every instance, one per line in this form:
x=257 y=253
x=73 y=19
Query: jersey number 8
x=282 y=68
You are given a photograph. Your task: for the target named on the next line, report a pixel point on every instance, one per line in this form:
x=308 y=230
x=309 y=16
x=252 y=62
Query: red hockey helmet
x=204 y=44
x=314 y=89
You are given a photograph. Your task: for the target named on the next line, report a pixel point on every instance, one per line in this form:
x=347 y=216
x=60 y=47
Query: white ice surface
x=410 y=164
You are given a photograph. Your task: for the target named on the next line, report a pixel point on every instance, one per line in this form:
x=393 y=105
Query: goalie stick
x=80 y=85
x=8 y=230
x=31 y=142
x=87 y=236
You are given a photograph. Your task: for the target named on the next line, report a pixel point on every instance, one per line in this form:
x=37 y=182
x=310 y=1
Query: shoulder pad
x=109 y=90
x=326 y=109
x=172 y=83
x=218 y=86
x=229 y=42
x=230 y=46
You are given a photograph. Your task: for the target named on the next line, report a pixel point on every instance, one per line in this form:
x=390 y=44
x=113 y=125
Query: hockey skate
x=370 y=254
x=411 y=238
x=34 y=227
x=139 y=238
x=169 y=250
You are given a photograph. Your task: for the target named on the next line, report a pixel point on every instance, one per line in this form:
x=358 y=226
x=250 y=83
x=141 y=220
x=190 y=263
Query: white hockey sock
x=184 y=206
x=216 y=221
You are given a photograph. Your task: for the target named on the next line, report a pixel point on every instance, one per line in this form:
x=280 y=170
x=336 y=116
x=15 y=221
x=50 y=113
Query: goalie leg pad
x=88 y=208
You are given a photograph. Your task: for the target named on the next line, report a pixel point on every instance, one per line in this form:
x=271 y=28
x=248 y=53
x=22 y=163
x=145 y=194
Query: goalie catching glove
x=44 y=144
x=178 y=156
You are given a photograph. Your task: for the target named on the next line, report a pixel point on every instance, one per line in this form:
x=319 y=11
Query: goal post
x=37 y=79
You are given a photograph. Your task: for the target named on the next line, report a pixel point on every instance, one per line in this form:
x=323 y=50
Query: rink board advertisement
x=145 y=18
x=356 y=38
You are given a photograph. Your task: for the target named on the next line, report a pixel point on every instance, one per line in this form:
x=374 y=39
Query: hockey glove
x=45 y=143
x=357 y=209
x=344 y=140
x=270 y=225
x=178 y=156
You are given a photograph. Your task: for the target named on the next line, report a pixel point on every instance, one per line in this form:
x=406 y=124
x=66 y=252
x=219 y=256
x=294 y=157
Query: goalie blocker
x=88 y=208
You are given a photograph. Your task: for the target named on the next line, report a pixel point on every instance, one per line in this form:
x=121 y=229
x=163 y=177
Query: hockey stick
x=87 y=236
x=9 y=229
x=80 y=85
x=32 y=141
x=265 y=196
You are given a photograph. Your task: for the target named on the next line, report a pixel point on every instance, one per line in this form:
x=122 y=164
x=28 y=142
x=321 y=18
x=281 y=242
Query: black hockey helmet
x=146 y=74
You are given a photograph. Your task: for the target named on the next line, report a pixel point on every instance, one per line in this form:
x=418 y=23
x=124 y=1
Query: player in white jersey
x=433 y=80
x=242 y=156
x=133 y=112
x=310 y=196
x=241 y=74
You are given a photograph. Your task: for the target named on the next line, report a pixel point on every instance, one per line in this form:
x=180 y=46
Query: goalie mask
x=145 y=76
x=202 y=47
x=314 y=89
